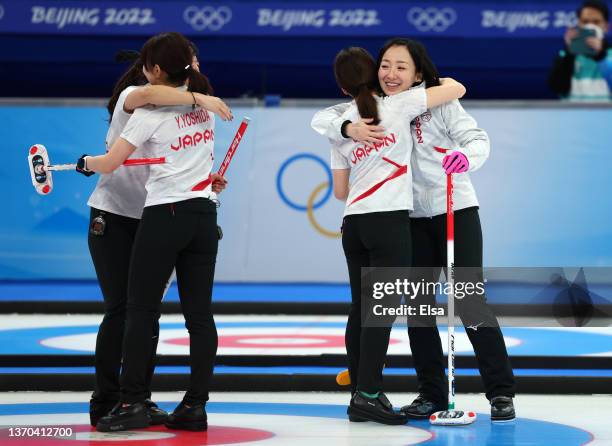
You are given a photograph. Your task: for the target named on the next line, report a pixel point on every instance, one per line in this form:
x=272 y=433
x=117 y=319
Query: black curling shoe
x=422 y=408
x=99 y=409
x=158 y=416
x=125 y=417
x=188 y=418
x=377 y=409
x=502 y=409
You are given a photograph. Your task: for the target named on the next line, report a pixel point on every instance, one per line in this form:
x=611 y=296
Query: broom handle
x=233 y=146
x=450 y=264
x=127 y=162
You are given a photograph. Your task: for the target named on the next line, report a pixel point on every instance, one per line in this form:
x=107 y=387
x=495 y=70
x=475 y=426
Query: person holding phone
x=583 y=69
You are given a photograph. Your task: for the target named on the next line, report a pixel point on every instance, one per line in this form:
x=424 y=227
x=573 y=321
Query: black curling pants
x=379 y=239
x=182 y=235
x=111 y=253
x=429 y=257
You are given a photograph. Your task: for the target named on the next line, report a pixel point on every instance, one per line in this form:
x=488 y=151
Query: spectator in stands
x=583 y=69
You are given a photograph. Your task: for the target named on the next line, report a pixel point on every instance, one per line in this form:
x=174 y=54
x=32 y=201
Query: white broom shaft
x=450 y=264
x=128 y=162
x=61 y=167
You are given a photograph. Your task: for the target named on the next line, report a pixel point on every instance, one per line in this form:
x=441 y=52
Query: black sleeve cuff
x=343 y=128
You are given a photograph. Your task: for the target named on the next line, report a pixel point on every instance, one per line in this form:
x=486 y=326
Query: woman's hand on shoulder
x=450 y=82
x=364 y=131
x=215 y=105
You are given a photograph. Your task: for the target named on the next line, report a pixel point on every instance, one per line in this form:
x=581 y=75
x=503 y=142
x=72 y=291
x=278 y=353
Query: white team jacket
x=448 y=126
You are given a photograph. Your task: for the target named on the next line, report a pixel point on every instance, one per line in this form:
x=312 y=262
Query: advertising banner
x=445 y=19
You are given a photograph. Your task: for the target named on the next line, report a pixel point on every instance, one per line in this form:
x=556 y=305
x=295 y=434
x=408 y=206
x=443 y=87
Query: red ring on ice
x=273 y=341
x=276 y=341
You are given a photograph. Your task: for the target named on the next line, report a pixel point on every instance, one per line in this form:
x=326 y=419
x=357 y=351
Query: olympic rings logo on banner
x=207 y=17
x=431 y=19
x=313 y=201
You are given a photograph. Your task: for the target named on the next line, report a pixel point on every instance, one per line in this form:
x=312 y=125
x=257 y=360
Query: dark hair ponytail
x=366 y=104
x=174 y=54
x=198 y=82
x=355 y=72
x=422 y=62
x=133 y=76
